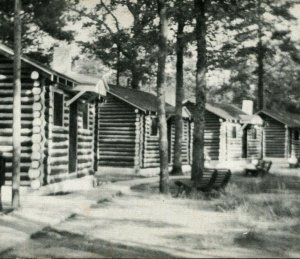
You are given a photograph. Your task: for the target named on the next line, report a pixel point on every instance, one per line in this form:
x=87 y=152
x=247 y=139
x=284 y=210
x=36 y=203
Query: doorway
x=245 y=143
x=73 y=129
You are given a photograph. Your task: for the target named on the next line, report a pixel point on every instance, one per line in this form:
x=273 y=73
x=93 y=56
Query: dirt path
x=139 y=225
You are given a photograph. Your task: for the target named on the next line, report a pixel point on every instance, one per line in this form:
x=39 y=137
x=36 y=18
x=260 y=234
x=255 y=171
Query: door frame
x=245 y=142
x=73 y=137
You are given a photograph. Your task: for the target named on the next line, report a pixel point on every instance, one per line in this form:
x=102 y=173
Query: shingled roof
x=224 y=111
x=289 y=119
x=69 y=79
x=142 y=100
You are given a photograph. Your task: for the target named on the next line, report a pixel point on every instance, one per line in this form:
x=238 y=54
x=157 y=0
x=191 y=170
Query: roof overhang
x=100 y=89
x=252 y=119
x=255 y=120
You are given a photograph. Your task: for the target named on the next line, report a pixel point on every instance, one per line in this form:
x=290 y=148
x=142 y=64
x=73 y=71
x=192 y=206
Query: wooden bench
x=222 y=179
x=212 y=179
x=262 y=168
x=208 y=178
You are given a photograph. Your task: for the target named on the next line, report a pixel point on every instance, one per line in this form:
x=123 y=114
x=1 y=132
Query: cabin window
x=233 y=132
x=154 y=126
x=254 y=133
x=58 y=113
x=85 y=116
x=296 y=135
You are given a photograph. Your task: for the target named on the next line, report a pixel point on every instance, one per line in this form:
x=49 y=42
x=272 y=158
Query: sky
x=296 y=29
x=125 y=18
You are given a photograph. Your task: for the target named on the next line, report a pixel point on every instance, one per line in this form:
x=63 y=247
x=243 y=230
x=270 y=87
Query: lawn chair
x=265 y=168
x=208 y=178
x=262 y=168
x=222 y=179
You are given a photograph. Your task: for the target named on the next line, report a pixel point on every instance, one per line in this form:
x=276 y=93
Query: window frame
x=296 y=135
x=85 y=106
x=233 y=131
x=153 y=118
x=254 y=133
x=62 y=112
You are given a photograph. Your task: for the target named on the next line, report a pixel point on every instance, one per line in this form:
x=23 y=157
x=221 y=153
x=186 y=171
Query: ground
x=254 y=218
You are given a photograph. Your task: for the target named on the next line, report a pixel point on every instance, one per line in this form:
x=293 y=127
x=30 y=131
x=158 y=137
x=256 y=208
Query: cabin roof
x=142 y=100
x=70 y=79
x=222 y=110
x=287 y=118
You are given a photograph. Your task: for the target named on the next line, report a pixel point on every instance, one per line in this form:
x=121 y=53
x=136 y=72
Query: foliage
x=40 y=19
x=134 y=43
x=260 y=51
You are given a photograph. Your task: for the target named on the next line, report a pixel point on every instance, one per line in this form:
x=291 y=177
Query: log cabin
x=281 y=134
x=128 y=134
x=57 y=121
x=230 y=133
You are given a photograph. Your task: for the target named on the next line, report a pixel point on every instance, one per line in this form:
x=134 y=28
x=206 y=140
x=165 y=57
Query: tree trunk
x=16 y=108
x=118 y=65
x=199 y=119
x=163 y=132
x=260 y=74
x=1 y=207
x=135 y=77
x=260 y=61
x=177 y=164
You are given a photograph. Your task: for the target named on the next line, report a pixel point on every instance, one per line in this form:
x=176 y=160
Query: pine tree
x=162 y=55
x=200 y=7
x=130 y=50
x=260 y=33
x=181 y=18
x=16 y=163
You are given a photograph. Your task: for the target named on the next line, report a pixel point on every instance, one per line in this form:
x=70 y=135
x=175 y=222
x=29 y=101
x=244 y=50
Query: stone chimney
x=248 y=107
x=62 y=59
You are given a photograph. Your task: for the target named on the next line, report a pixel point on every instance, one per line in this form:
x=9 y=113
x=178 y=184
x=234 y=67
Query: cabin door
x=290 y=140
x=245 y=143
x=73 y=128
x=170 y=147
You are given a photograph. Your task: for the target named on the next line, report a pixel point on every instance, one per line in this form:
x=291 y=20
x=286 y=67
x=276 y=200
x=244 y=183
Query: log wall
x=151 y=156
x=118 y=135
x=45 y=147
x=185 y=152
x=212 y=136
x=85 y=140
x=274 y=138
x=234 y=145
x=57 y=153
x=254 y=145
x=57 y=148
x=212 y=141
x=6 y=114
x=231 y=147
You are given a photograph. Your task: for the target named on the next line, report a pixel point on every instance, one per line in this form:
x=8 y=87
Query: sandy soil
x=144 y=224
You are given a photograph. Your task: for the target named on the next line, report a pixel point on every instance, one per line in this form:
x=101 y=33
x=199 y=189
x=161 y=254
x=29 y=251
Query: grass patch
x=269 y=198
x=250 y=239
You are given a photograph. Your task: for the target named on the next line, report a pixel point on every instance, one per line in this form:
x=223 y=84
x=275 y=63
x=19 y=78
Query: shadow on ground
x=50 y=239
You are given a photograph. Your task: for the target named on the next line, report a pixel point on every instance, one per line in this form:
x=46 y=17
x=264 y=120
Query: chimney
x=62 y=59
x=248 y=107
